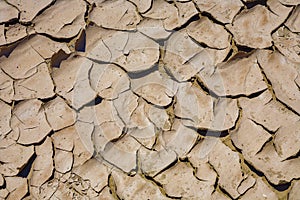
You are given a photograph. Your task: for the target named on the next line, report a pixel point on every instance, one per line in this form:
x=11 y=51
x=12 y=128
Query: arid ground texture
x=150 y=99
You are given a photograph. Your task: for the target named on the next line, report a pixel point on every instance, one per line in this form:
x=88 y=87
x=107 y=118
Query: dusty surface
x=150 y=99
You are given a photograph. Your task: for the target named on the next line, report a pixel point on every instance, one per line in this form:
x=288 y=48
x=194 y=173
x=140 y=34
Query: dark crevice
x=26 y=169
x=297 y=155
x=141 y=74
x=251 y=4
x=210 y=133
x=253 y=169
x=245 y=48
x=196 y=17
x=280 y=187
x=80 y=44
x=94 y=102
x=209 y=16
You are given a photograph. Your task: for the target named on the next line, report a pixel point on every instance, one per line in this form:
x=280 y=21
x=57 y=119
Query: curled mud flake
x=17 y=187
x=30 y=122
x=288 y=44
x=227 y=165
x=253 y=27
x=28 y=10
x=63 y=139
x=266 y=112
x=187 y=185
x=152 y=162
x=15 y=32
x=288 y=145
x=63 y=160
x=271 y=165
x=293 y=23
x=4 y=119
x=59 y=114
x=142 y=5
x=62 y=20
x=259 y=191
x=209 y=33
x=153 y=28
x=94 y=171
x=223 y=11
x=155 y=88
x=135 y=187
x=108 y=80
x=14 y=158
x=39 y=85
x=180 y=139
x=247 y=183
x=295 y=191
x=200 y=110
x=8 y=12
x=285 y=88
x=122 y=153
x=240 y=76
x=43 y=164
x=173 y=15
x=117 y=14
x=249 y=136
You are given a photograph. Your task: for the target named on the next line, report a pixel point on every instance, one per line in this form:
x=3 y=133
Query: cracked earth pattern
x=150 y=99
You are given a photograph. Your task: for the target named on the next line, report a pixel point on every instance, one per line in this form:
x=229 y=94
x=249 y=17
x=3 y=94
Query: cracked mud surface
x=150 y=99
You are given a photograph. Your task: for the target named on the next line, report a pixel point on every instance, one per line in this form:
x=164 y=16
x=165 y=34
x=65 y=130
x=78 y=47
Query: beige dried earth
x=150 y=99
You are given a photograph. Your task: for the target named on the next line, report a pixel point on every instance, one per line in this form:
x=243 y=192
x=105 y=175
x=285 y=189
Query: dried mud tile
x=290 y=2
x=46 y=191
x=2 y=35
x=287 y=140
x=253 y=27
x=267 y=112
x=19 y=67
x=14 y=158
x=29 y=120
x=227 y=165
x=63 y=139
x=3 y=193
x=62 y=20
x=283 y=84
x=209 y=33
x=39 y=85
x=142 y=5
x=295 y=191
x=63 y=160
x=135 y=187
x=240 y=76
x=8 y=12
x=108 y=80
x=158 y=116
x=2 y=181
x=17 y=187
x=219 y=196
x=288 y=43
x=4 y=119
x=223 y=11
x=85 y=132
x=153 y=162
x=249 y=137
x=140 y=53
x=272 y=166
x=15 y=32
x=293 y=22
x=59 y=114
x=122 y=153
x=180 y=139
x=28 y=10
x=117 y=14
x=184 y=58
x=248 y=183
x=155 y=87
x=43 y=164
x=153 y=28
x=47 y=47
x=187 y=185
x=173 y=15
x=80 y=152
x=200 y=110
x=260 y=191
x=94 y=171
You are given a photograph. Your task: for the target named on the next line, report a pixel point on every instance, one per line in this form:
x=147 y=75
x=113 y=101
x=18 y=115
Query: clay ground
x=150 y=99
